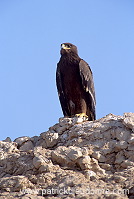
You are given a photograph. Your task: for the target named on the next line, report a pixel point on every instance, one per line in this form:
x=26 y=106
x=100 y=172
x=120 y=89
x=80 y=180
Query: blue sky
x=31 y=32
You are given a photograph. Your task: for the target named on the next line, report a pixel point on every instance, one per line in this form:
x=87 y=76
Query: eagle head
x=68 y=48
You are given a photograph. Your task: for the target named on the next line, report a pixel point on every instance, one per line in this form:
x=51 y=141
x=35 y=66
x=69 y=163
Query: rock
x=122 y=135
x=131 y=140
x=8 y=147
x=21 y=140
x=37 y=162
x=127 y=163
x=120 y=145
x=105 y=166
x=73 y=159
x=15 y=183
x=8 y=139
x=98 y=156
x=131 y=147
x=51 y=139
x=129 y=120
x=66 y=156
x=27 y=146
x=119 y=157
x=74 y=153
x=85 y=163
x=65 y=121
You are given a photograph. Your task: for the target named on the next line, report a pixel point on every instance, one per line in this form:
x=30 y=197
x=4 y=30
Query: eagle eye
x=66 y=46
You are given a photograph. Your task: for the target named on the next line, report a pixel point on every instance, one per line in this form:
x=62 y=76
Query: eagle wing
x=88 y=85
x=61 y=94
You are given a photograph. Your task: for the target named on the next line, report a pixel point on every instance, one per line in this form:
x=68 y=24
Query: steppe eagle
x=75 y=84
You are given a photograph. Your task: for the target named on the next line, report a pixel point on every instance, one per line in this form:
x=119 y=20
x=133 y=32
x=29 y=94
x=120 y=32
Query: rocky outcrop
x=73 y=159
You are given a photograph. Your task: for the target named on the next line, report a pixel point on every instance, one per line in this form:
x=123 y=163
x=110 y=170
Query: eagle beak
x=64 y=46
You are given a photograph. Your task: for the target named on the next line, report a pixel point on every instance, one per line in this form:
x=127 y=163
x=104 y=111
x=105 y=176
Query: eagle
x=75 y=85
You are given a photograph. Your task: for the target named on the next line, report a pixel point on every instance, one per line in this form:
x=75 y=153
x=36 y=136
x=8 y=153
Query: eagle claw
x=82 y=116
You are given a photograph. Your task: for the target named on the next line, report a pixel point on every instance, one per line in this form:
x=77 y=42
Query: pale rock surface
x=73 y=159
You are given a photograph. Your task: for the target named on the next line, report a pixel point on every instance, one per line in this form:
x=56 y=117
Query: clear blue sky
x=31 y=32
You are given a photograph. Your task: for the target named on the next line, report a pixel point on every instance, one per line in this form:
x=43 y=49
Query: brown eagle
x=75 y=84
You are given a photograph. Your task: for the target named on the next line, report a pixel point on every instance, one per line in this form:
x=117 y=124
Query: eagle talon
x=82 y=116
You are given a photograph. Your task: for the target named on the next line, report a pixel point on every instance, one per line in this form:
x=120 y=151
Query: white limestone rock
x=51 y=139
x=15 y=183
x=77 y=156
x=128 y=120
